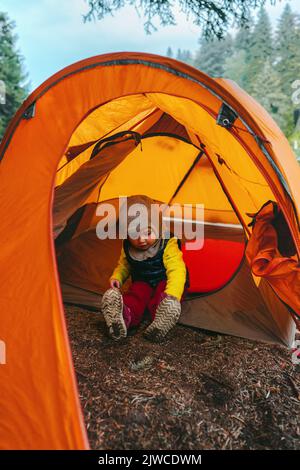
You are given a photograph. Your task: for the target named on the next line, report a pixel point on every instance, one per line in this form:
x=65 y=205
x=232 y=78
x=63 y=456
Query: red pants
x=140 y=296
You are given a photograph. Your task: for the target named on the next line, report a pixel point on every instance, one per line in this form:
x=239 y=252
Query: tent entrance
x=168 y=167
x=170 y=170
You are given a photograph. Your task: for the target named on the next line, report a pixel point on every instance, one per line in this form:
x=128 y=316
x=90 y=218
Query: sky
x=52 y=33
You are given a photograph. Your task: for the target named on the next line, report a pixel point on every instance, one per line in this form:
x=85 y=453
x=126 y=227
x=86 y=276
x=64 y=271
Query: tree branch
x=213 y=17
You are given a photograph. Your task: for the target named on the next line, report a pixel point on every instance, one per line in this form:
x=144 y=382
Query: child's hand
x=115 y=283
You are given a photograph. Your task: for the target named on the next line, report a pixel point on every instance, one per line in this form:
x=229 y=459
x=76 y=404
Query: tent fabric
x=167 y=158
x=266 y=261
x=247 y=186
x=276 y=144
x=74 y=192
x=244 y=165
x=278 y=150
x=241 y=307
x=115 y=116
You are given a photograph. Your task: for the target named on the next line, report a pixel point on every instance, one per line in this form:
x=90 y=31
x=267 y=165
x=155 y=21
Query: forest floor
x=197 y=390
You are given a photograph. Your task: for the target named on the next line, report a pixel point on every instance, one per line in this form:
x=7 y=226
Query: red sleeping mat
x=214 y=265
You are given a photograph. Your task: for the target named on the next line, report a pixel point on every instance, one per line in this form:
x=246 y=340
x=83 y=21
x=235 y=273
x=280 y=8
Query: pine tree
x=212 y=55
x=288 y=58
x=266 y=90
x=260 y=48
x=11 y=73
x=236 y=68
x=263 y=65
x=236 y=65
x=169 y=52
x=185 y=56
x=288 y=48
x=243 y=37
x=179 y=54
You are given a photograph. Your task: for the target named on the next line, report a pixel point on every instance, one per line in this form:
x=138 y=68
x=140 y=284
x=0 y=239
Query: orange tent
x=203 y=140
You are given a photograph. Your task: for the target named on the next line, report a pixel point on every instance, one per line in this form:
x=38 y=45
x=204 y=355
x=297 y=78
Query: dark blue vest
x=150 y=270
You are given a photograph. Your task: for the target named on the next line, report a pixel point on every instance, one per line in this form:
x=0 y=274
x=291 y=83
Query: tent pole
x=187 y=174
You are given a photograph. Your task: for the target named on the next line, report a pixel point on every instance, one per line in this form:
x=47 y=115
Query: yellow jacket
x=173 y=263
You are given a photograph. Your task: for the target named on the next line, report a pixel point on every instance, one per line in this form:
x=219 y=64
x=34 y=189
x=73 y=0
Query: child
x=158 y=275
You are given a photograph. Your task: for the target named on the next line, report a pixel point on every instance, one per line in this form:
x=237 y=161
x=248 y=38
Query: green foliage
x=267 y=90
x=214 y=17
x=184 y=56
x=243 y=37
x=236 y=67
x=288 y=48
x=260 y=48
x=11 y=73
x=170 y=52
x=212 y=56
x=262 y=63
x=288 y=57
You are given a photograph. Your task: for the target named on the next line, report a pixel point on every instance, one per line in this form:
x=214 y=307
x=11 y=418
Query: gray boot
x=166 y=316
x=112 y=309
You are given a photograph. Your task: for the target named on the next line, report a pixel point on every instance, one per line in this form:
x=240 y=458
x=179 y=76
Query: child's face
x=146 y=239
